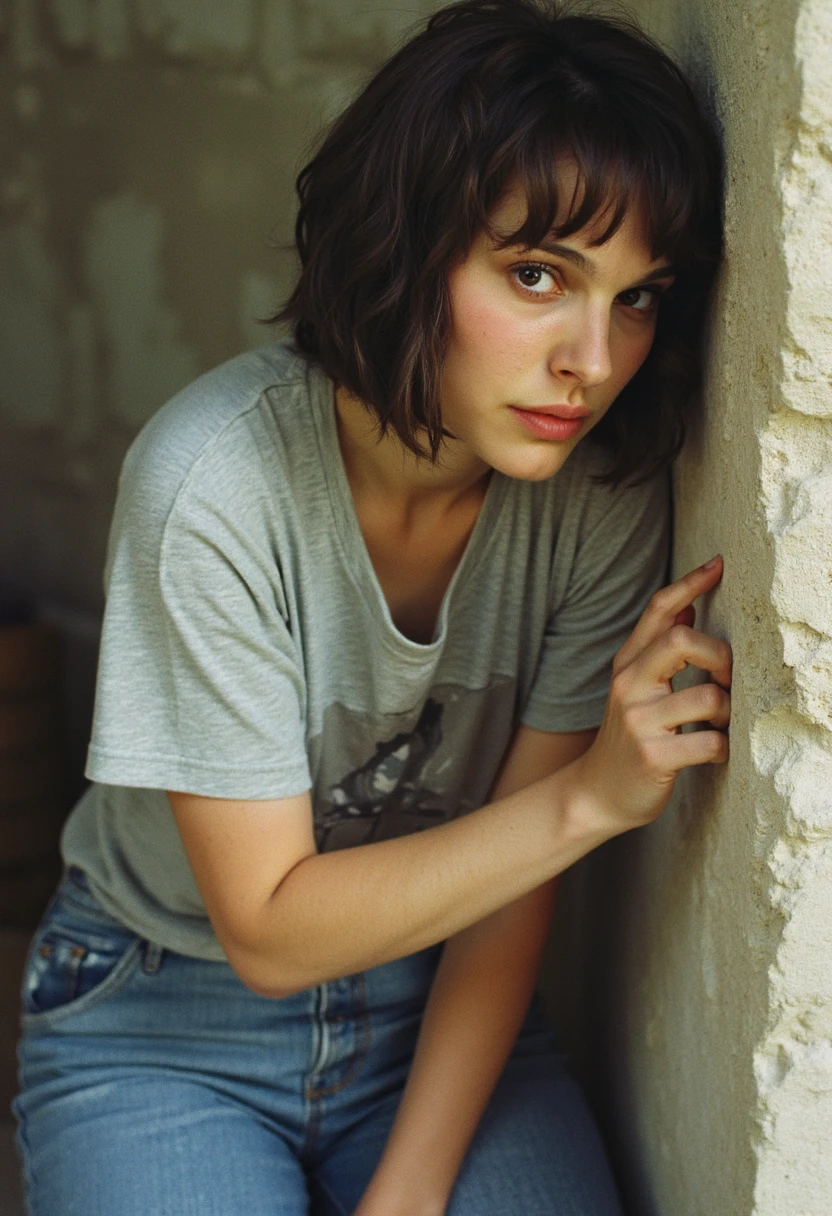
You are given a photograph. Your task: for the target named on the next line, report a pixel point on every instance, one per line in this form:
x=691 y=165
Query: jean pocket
x=72 y=967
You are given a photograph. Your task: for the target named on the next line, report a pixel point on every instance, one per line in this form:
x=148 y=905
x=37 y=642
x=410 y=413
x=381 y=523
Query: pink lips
x=557 y=422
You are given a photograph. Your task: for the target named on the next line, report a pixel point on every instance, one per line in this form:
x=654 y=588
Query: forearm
x=476 y=1007
x=345 y=911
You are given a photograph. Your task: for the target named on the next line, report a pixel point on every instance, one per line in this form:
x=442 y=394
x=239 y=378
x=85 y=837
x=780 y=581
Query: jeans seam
x=360 y=1053
x=313 y=1128
x=29 y=1179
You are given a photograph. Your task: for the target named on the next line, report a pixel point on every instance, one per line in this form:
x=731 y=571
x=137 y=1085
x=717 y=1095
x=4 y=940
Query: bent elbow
x=264 y=977
x=271 y=991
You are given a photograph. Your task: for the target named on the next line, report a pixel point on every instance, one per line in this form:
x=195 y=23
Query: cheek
x=475 y=325
x=486 y=334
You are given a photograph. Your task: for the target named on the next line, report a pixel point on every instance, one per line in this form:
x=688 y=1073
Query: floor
x=13 y=946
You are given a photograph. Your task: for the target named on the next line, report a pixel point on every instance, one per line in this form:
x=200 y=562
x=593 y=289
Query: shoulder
x=213 y=411
x=220 y=429
x=223 y=447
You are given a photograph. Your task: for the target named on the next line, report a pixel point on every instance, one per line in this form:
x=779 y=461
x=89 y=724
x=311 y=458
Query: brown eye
x=537 y=279
x=640 y=298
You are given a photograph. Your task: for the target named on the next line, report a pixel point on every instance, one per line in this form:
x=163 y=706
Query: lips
x=556 y=411
x=555 y=423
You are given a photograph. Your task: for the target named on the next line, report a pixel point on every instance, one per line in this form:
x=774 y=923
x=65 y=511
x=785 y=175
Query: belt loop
x=152 y=958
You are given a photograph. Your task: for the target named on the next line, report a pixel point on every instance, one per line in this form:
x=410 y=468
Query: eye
x=536 y=279
x=642 y=299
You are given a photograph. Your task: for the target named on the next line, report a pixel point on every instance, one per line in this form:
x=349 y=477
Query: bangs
x=604 y=189
x=623 y=157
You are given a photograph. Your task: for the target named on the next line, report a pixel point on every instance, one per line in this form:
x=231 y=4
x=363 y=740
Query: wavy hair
x=491 y=95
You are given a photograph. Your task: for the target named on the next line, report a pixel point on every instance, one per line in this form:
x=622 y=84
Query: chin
x=534 y=466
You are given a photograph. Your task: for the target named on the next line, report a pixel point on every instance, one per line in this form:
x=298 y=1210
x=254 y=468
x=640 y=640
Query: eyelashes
x=652 y=294
x=538 y=279
x=530 y=274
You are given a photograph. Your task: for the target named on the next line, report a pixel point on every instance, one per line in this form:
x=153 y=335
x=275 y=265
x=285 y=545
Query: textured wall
x=149 y=151
x=712 y=931
x=149 y=148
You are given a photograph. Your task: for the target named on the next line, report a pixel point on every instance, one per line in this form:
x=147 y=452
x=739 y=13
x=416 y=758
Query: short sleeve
x=609 y=561
x=200 y=681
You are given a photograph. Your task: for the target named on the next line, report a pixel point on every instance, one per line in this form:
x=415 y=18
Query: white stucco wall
x=145 y=188
x=711 y=932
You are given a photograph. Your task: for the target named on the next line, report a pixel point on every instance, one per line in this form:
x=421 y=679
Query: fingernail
x=713 y=562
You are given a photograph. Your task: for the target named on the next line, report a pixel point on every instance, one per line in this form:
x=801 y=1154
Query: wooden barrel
x=32 y=779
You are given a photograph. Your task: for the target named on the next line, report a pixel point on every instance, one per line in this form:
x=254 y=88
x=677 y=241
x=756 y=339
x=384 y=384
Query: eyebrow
x=586 y=265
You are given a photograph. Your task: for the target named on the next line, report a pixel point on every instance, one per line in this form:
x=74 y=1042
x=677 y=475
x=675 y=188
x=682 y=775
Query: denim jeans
x=154 y=1084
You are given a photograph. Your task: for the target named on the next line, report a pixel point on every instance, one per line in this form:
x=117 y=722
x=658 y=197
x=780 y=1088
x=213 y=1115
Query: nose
x=581 y=350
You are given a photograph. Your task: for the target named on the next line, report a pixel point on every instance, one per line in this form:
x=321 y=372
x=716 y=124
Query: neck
x=381 y=464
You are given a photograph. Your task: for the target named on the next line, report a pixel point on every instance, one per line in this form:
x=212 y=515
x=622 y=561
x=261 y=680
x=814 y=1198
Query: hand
x=376 y=1204
x=388 y=1194
x=631 y=768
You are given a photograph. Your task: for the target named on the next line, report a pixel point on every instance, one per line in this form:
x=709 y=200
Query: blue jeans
x=154 y=1084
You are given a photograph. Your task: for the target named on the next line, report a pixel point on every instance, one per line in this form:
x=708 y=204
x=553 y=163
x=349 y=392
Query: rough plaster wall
x=712 y=931
x=148 y=150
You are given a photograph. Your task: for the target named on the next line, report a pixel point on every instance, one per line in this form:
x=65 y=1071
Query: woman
x=365 y=594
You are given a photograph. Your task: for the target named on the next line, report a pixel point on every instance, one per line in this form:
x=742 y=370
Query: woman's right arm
x=289 y=917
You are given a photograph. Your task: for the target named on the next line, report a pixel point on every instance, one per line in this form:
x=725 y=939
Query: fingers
x=702 y=703
x=663 y=609
x=677 y=649
x=697 y=747
x=686 y=617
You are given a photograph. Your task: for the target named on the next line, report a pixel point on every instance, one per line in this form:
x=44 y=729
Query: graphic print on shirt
x=391 y=779
x=378 y=776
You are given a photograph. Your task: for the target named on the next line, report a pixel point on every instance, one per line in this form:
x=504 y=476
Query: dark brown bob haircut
x=492 y=94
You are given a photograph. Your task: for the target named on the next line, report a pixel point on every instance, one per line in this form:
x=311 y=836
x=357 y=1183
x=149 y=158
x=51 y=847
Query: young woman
x=365 y=596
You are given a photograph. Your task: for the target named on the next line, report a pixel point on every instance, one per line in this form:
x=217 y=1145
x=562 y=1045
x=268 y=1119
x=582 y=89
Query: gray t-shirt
x=248 y=651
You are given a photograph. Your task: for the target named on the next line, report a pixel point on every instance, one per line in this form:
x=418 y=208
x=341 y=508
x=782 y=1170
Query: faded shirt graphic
x=381 y=776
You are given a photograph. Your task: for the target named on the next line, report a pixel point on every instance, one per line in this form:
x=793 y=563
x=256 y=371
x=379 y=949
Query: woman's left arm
x=476 y=1006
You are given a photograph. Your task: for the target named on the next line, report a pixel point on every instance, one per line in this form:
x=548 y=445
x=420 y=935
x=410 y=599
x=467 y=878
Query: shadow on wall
x=582 y=981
